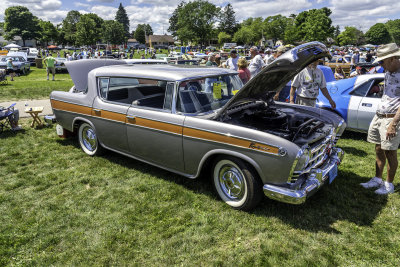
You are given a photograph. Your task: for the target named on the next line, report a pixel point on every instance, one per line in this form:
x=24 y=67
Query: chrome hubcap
x=232 y=182
x=89 y=138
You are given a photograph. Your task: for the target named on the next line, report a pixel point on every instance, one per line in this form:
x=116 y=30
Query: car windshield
x=206 y=94
x=14 y=59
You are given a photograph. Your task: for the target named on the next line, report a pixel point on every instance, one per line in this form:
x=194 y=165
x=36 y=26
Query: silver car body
x=363 y=108
x=185 y=143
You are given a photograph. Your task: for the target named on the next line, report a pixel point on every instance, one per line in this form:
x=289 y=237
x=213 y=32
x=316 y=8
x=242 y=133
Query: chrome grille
x=318 y=155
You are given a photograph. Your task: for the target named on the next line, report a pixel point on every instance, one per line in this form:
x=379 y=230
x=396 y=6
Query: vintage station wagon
x=193 y=120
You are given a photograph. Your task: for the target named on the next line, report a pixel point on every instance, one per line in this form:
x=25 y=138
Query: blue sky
x=359 y=13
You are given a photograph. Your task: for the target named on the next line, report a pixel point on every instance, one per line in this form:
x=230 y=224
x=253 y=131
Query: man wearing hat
x=277 y=53
x=232 y=62
x=384 y=130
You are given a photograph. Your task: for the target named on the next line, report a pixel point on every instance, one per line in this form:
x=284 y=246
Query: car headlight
x=333 y=134
x=303 y=158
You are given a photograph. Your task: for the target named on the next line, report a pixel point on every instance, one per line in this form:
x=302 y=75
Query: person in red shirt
x=244 y=72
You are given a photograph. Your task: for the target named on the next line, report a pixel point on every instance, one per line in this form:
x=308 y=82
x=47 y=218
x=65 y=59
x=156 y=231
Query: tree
x=19 y=21
x=196 y=21
x=141 y=31
x=48 y=32
x=98 y=24
x=315 y=24
x=113 y=32
x=393 y=26
x=244 y=35
x=69 y=26
x=378 y=34
x=86 y=31
x=228 y=21
x=122 y=18
x=275 y=27
x=351 y=36
x=291 y=34
x=223 y=37
x=173 y=20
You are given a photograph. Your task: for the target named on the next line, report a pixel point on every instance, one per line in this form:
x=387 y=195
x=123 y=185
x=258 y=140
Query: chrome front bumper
x=315 y=180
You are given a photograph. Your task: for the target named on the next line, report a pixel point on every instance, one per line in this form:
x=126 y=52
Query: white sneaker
x=374 y=182
x=386 y=188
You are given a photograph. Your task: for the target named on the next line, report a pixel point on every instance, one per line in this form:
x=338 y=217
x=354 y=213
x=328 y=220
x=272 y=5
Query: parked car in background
x=60 y=64
x=21 y=66
x=356 y=99
x=188 y=120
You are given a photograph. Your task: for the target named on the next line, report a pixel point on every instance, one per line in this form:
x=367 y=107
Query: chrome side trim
x=242 y=138
x=152 y=129
x=97 y=117
x=241 y=147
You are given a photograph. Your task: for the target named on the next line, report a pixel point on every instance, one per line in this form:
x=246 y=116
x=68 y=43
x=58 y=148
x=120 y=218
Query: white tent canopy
x=12 y=46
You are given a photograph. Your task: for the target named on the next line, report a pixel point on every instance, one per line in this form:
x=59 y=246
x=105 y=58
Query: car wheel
x=23 y=71
x=88 y=140
x=236 y=183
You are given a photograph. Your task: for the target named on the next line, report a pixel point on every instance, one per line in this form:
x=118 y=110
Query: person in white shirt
x=384 y=130
x=308 y=83
x=232 y=62
x=256 y=63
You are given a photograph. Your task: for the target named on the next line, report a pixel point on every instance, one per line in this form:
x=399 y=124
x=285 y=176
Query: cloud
x=100 y=1
x=362 y=14
x=105 y=12
x=79 y=4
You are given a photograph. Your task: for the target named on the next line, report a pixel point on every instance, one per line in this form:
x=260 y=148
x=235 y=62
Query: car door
x=154 y=132
x=368 y=106
x=109 y=112
x=362 y=105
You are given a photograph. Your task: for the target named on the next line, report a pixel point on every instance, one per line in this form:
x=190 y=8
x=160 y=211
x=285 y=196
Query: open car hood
x=79 y=70
x=276 y=75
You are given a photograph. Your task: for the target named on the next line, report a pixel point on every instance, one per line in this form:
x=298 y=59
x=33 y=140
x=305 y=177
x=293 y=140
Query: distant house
x=17 y=40
x=159 y=40
x=132 y=42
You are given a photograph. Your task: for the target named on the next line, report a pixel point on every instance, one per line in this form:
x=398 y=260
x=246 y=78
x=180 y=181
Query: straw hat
x=387 y=51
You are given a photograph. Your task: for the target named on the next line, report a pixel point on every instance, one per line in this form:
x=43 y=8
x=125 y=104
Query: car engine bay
x=286 y=122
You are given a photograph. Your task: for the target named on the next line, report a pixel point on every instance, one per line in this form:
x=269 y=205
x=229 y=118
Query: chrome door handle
x=130 y=117
x=96 y=110
x=366 y=105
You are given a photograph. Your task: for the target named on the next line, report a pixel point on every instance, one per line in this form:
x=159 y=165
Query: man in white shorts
x=384 y=130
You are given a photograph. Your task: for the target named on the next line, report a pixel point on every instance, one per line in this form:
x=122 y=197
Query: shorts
x=51 y=69
x=10 y=71
x=377 y=133
x=305 y=101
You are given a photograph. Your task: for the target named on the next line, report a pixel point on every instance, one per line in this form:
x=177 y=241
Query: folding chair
x=5 y=114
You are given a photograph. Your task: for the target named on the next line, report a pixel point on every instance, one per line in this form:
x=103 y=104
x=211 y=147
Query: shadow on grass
x=343 y=200
x=354 y=135
x=354 y=151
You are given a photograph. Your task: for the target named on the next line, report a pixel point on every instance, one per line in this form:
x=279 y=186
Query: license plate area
x=333 y=173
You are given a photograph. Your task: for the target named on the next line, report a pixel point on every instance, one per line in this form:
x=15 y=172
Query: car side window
x=362 y=89
x=136 y=91
x=376 y=90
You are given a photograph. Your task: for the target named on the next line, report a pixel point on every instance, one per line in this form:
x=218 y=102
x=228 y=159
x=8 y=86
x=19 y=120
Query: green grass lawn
x=61 y=207
x=34 y=85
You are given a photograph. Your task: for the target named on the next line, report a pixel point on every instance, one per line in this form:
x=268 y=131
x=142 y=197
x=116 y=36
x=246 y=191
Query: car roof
x=161 y=72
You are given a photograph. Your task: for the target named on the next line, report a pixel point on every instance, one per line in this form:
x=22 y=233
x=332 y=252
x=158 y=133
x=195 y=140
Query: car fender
x=228 y=153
